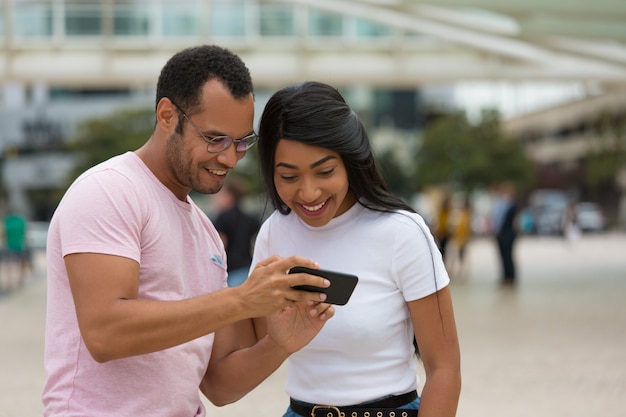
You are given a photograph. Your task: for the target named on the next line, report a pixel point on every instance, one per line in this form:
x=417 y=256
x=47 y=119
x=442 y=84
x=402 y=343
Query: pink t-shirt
x=120 y=208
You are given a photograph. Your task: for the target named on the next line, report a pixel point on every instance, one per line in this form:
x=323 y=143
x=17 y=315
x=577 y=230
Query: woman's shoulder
x=401 y=218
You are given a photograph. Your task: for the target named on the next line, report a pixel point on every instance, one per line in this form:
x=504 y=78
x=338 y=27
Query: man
x=505 y=228
x=138 y=316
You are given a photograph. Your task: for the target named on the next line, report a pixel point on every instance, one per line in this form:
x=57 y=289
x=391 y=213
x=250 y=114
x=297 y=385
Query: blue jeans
x=237 y=277
x=413 y=405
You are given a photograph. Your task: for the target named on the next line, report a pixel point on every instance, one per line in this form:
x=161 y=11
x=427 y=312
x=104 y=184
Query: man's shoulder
x=117 y=171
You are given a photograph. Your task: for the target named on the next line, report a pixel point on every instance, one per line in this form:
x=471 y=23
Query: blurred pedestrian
x=333 y=205
x=460 y=240
x=139 y=321
x=570 y=228
x=237 y=230
x=505 y=228
x=443 y=227
x=17 y=252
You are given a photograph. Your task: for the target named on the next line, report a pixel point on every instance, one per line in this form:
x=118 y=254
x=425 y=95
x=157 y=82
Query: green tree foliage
x=453 y=151
x=608 y=150
x=396 y=176
x=98 y=139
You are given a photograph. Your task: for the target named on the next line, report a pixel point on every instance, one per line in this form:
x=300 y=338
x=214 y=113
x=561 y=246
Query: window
x=83 y=19
x=228 y=19
x=325 y=25
x=366 y=29
x=32 y=20
x=180 y=19
x=277 y=20
x=129 y=19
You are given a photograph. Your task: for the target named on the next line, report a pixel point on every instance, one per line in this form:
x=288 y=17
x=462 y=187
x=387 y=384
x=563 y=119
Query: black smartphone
x=341 y=284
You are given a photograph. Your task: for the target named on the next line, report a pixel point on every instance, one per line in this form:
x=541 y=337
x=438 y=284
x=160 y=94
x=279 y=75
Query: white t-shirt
x=366 y=350
x=120 y=208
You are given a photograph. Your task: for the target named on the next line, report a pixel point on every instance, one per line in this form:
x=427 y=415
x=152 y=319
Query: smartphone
x=341 y=284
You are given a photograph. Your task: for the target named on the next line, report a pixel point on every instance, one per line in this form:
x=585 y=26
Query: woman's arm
x=435 y=332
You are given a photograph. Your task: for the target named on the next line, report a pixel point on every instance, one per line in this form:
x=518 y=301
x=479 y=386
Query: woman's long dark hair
x=316 y=114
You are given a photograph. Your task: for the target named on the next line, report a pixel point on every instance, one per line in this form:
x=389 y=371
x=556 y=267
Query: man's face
x=192 y=166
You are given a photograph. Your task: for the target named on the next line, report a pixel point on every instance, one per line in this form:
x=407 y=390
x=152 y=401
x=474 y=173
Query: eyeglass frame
x=250 y=140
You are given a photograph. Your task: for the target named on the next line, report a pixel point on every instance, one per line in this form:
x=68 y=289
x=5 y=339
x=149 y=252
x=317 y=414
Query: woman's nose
x=309 y=191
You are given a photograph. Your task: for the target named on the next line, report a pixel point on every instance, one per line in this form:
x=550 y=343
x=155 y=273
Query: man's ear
x=166 y=114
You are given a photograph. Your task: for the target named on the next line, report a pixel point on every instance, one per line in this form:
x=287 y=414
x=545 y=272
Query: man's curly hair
x=185 y=73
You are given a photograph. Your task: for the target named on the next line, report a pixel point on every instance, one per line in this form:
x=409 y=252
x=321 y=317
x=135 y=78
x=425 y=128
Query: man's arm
x=233 y=372
x=115 y=324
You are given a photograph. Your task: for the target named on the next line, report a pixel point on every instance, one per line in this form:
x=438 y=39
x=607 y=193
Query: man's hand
x=295 y=326
x=269 y=288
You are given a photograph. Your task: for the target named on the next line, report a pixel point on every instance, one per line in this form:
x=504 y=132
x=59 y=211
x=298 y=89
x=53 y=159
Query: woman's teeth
x=314 y=208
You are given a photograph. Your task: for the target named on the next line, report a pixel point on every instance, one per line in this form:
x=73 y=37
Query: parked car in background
x=549 y=220
x=548 y=209
x=589 y=217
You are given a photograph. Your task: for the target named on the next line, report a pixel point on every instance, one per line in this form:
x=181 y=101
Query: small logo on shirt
x=217 y=260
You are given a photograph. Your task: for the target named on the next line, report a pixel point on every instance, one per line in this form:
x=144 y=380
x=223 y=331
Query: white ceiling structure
x=504 y=40
x=435 y=41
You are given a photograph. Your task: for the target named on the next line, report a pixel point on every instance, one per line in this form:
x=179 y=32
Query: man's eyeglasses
x=217 y=144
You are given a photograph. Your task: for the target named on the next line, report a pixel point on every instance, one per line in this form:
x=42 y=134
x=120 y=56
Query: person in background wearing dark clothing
x=504 y=222
x=237 y=230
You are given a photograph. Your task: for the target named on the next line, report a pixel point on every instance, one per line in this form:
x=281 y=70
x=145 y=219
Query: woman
x=333 y=206
x=461 y=238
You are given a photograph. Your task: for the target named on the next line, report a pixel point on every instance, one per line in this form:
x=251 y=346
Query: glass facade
x=230 y=19
x=83 y=19
x=277 y=21
x=131 y=20
x=367 y=29
x=322 y=24
x=32 y=20
x=181 y=20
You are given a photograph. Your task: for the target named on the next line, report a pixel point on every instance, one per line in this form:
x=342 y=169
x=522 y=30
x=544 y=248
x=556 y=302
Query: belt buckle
x=329 y=414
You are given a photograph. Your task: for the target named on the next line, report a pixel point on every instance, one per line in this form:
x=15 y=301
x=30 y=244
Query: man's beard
x=183 y=169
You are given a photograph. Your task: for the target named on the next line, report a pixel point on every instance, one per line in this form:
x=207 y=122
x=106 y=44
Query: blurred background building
x=555 y=70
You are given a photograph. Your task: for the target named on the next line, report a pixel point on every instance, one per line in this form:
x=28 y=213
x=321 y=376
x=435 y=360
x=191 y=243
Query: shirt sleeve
x=101 y=214
x=418 y=267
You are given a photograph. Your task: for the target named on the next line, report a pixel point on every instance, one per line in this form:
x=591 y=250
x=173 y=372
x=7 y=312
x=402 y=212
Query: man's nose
x=229 y=156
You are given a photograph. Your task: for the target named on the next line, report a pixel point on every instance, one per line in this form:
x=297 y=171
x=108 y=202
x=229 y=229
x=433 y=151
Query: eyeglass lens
x=220 y=143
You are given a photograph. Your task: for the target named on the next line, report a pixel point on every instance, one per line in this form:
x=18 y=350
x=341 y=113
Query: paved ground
x=554 y=346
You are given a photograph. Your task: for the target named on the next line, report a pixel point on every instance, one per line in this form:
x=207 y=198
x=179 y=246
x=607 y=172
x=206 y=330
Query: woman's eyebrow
x=321 y=161
x=313 y=165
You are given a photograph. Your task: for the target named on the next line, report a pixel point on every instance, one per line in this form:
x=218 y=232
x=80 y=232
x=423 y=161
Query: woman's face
x=311 y=181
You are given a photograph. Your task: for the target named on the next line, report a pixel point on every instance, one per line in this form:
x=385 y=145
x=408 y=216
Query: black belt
x=387 y=407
